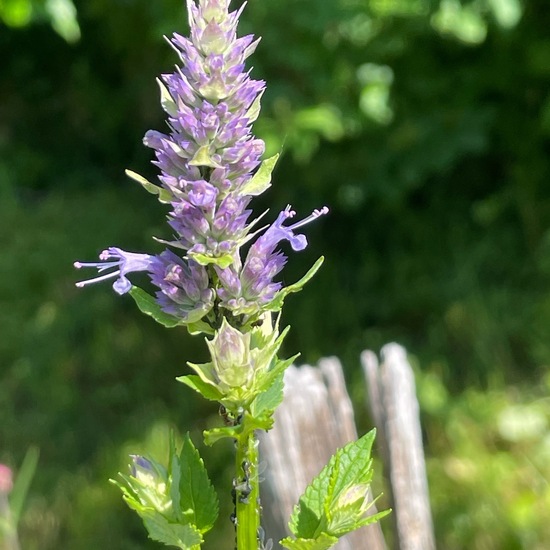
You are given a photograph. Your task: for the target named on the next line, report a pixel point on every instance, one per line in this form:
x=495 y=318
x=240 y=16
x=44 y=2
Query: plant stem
x=9 y=536
x=247 y=491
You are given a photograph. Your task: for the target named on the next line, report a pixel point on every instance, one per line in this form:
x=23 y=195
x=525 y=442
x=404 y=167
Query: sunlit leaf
x=63 y=19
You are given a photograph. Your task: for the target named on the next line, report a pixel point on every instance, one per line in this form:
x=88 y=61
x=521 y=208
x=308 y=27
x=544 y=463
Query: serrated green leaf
x=277 y=303
x=196 y=383
x=331 y=485
x=163 y=194
x=323 y=542
x=222 y=261
x=349 y=468
x=148 y=305
x=269 y=400
x=261 y=180
x=354 y=464
x=198 y=500
x=186 y=537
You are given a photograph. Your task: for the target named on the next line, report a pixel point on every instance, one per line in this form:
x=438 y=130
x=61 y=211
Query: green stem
x=247 y=492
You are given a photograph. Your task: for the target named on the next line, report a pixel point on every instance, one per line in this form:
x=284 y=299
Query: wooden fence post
x=395 y=411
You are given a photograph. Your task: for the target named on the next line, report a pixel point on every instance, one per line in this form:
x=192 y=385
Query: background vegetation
x=423 y=124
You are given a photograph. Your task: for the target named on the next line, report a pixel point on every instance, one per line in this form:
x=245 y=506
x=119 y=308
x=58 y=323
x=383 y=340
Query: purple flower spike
x=211 y=167
x=210 y=152
x=123 y=262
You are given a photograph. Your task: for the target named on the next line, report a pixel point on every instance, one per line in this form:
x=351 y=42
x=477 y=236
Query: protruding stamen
x=81 y=284
x=313 y=216
x=101 y=266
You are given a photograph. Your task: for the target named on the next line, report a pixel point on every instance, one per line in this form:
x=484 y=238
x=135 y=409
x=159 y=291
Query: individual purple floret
x=247 y=291
x=123 y=262
x=184 y=285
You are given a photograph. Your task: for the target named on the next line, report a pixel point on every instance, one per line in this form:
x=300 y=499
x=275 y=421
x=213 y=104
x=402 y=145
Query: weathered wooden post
x=395 y=411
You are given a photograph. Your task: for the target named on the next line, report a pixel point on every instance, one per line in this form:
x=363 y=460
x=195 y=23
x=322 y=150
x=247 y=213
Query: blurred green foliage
x=423 y=124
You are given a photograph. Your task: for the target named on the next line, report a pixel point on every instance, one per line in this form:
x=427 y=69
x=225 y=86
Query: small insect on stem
x=243 y=486
x=229 y=418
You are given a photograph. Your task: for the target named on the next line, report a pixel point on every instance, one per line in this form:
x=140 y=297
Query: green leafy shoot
x=337 y=500
x=177 y=505
x=147 y=492
x=22 y=484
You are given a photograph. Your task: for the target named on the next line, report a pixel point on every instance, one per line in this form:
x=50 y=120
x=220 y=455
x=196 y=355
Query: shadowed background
x=423 y=124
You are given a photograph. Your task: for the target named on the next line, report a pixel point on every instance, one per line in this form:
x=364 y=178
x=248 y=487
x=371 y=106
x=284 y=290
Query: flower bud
x=142 y=468
x=149 y=481
x=230 y=351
